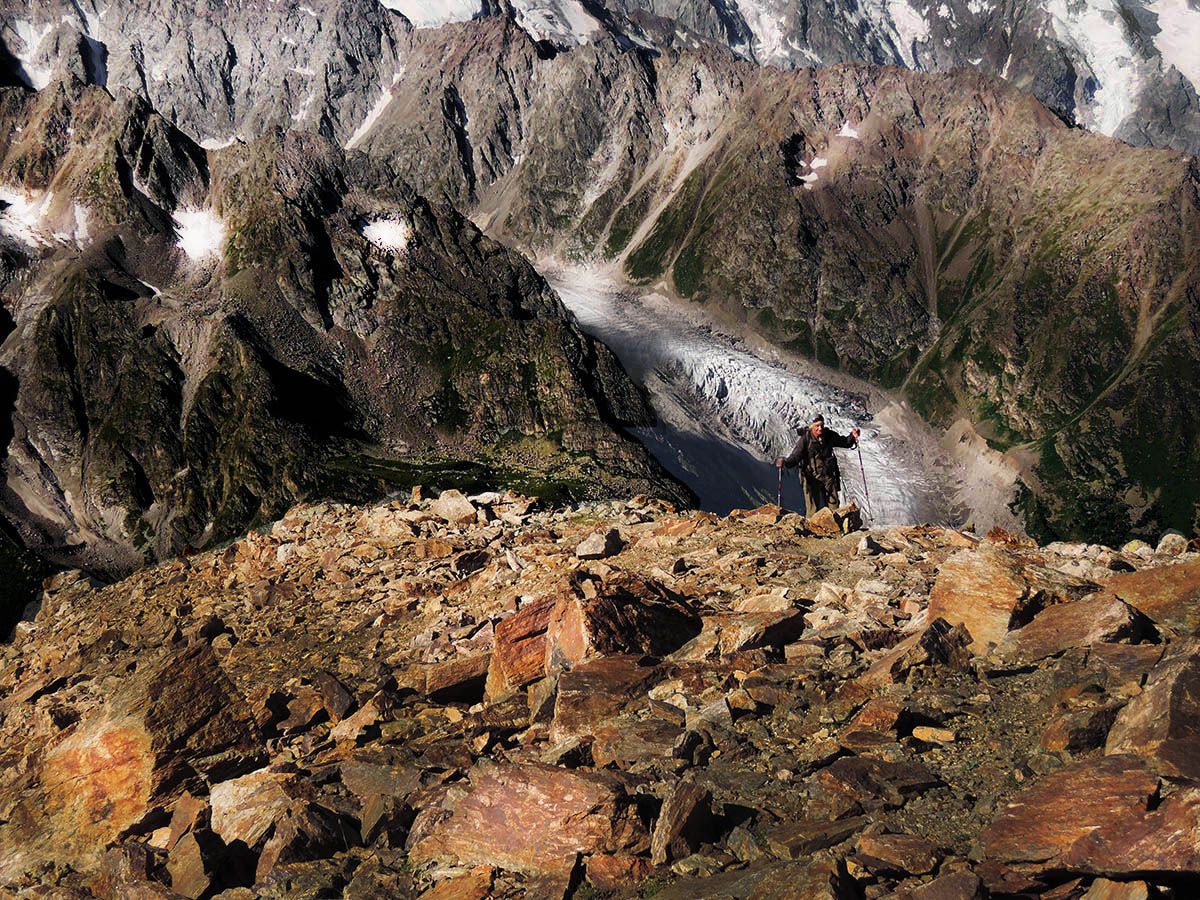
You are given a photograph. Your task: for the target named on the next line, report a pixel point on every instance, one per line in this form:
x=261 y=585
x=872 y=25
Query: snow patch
x=1179 y=39
x=23 y=216
x=389 y=234
x=819 y=162
x=769 y=29
x=848 y=131
x=561 y=21
x=201 y=234
x=31 y=38
x=434 y=13
x=374 y=113
x=218 y=143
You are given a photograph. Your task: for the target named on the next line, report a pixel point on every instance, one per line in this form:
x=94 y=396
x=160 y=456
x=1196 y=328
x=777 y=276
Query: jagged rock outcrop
x=196 y=339
x=272 y=718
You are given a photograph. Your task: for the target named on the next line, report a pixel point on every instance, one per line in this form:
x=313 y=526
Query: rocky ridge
x=225 y=70
x=484 y=696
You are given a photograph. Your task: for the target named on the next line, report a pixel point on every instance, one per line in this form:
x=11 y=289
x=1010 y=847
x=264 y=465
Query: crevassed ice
x=911 y=27
x=390 y=234
x=201 y=234
x=432 y=13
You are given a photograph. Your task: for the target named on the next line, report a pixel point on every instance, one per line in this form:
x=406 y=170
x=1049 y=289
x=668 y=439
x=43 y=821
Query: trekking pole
x=863 y=470
x=779 y=493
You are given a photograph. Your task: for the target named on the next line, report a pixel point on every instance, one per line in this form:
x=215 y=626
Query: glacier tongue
x=726 y=412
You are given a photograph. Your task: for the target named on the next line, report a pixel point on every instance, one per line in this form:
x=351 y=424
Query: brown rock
x=600 y=545
x=1124 y=664
x=1170 y=595
x=189 y=812
x=896 y=854
x=957 y=886
x=626 y=614
x=814 y=879
x=1041 y=824
x=748 y=630
x=194 y=862
x=527 y=818
x=684 y=822
x=806 y=836
x=981 y=589
x=473 y=885
x=173 y=717
x=629 y=744
x=596 y=691
x=246 y=809
x=1082 y=623
x=1165 y=840
x=305 y=831
x=519 y=652
x=336 y=699
x=859 y=783
x=614 y=872
x=1103 y=889
x=1168 y=708
x=461 y=679
x=451 y=506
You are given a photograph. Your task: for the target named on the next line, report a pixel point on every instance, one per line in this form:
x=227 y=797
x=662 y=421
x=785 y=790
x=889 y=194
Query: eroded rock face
x=306 y=711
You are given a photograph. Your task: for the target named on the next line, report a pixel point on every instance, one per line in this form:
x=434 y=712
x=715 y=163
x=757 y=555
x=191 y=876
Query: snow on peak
x=563 y=21
x=201 y=234
x=911 y=27
x=390 y=234
x=435 y=13
x=31 y=39
x=33 y=219
x=1179 y=39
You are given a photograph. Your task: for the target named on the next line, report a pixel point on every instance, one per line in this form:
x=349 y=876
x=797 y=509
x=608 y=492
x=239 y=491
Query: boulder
x=685 y=821
x=1167 y=709
x=519 y=650
x=473 y=885
x=1169 y=595
x=1165 y=840
x=246 y=809
x=170 y=719
x=527 y=818
x=1040 y=826
x=806 y=879
x=600 y=545
x=1063 y=626
x=194 y=863
x=597 y=691
x=981 y=589
x=451 y=506
x=896 y=854
x=625 y=614
x=956 y=886
x=461 y=679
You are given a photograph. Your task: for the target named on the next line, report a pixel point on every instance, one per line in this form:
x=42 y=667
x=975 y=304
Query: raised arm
x=843 y=440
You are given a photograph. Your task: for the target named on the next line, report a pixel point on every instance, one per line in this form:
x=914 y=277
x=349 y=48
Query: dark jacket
x=816 y=460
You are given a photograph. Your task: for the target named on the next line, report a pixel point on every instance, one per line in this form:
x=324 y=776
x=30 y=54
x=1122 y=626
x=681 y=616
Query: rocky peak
x=470 y=695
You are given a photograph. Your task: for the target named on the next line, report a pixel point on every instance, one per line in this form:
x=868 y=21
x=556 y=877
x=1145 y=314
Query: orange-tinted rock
x=519 y=651
x=473 y=885
x=596 y=691
x=612 y=872
x=896 y=854
x=459 y=679
x=957 y=886
x=805 y=879
x=1163 y=840
x=626 y=614
x=1170 y=595
x=805 y=837
x=528 y=818
x=175 y=716
x=981 y=589
x=246 y=809
x=1082 y=623
x=1168 y=708
x=1103 y=889
x=684 y=822
x=1042 y=823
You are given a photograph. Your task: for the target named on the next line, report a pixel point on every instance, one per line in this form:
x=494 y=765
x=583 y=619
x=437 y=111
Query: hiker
x=818 y=466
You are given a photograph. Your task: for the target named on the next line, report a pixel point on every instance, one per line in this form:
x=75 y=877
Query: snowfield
x=726 y=412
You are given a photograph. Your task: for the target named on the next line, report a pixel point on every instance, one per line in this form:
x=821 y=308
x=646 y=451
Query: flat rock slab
x=1167 y=709
x=774 y=880
x=527 y=818
x=1170 y=595
x=1063 y=626
x=597 y=691
x=1041 y=825
x=980 y=589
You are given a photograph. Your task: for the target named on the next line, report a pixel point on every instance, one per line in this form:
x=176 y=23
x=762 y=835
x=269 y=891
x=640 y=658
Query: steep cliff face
x=198 y=338
x=223 y=70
